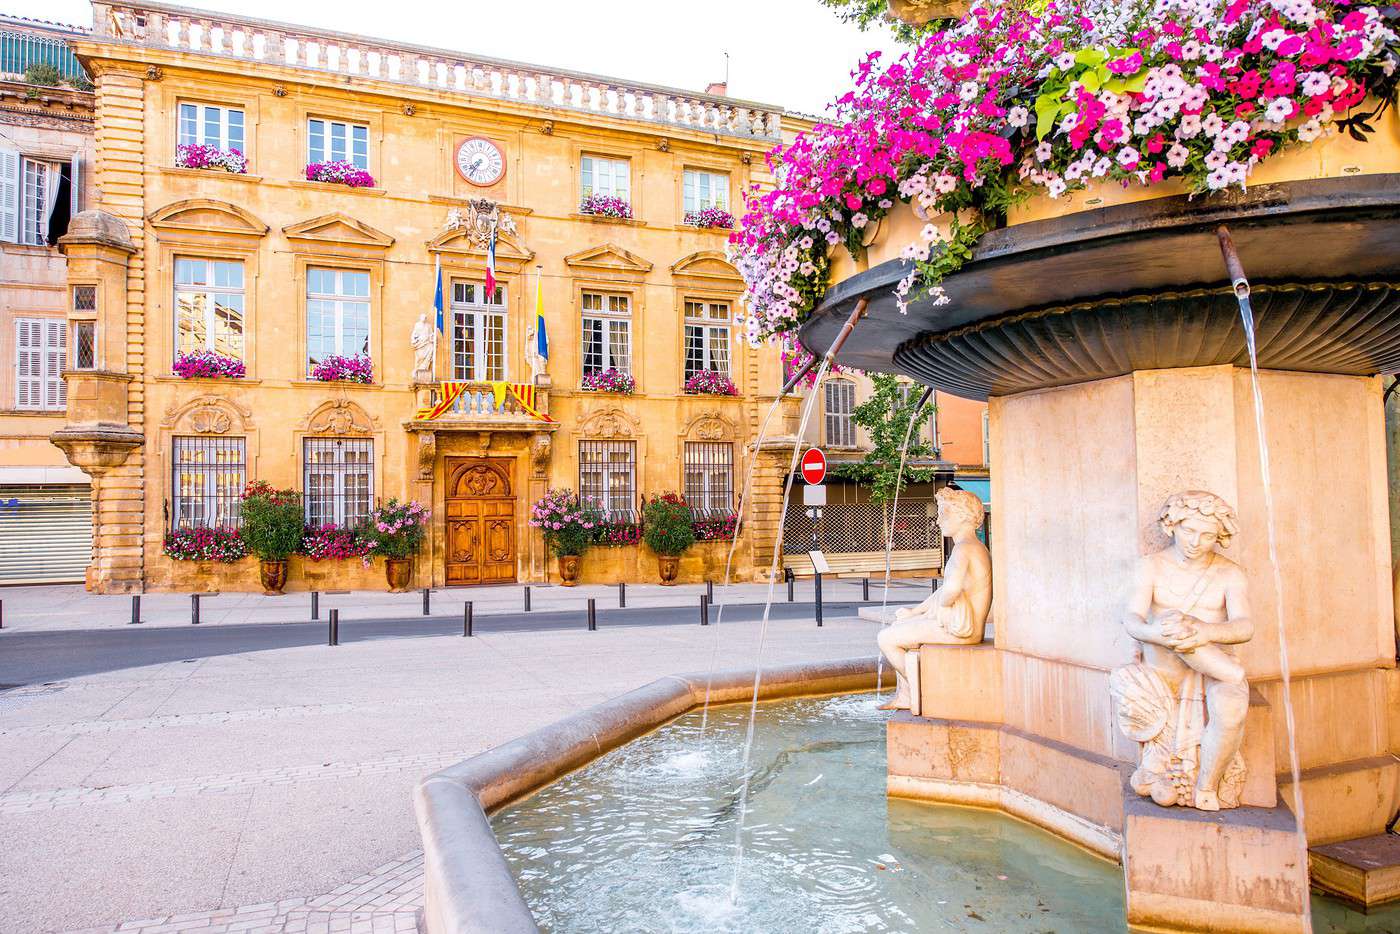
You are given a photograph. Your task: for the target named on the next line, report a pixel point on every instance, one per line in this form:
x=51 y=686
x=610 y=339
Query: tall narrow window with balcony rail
x=207 y=478
x=607 y=478
x=478 y=332
x=706 y=337
x=607 y=333
x=337 y=314
x=209 y=306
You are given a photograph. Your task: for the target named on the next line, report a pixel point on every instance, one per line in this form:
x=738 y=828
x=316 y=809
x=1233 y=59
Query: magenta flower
x=340 y=173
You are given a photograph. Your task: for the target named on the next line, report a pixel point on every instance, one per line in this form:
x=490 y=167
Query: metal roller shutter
x=45 y=533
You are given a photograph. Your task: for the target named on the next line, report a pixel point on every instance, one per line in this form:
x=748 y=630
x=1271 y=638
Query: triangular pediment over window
x=509 y=247
x=608 y=258
x=339 y=230
x=204 y=215
x=710 y=266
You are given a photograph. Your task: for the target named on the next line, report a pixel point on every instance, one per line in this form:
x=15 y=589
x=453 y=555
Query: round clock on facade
x=480 y=161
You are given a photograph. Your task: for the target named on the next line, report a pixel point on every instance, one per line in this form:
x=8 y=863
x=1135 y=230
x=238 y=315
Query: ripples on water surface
x=643 y=841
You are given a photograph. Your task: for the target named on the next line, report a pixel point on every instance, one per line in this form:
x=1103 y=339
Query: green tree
x=867 y=13
x=886 y=416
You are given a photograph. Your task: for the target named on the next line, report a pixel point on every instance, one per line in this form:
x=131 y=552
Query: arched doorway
x=480 y=521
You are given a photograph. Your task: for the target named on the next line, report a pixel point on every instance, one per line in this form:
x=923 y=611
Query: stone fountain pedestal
x=1027 y=725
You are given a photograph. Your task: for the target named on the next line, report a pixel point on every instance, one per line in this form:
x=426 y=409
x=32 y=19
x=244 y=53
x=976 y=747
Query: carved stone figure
x=424 y=339
x=956 y=613
x=1185 y=700
x=538 y=365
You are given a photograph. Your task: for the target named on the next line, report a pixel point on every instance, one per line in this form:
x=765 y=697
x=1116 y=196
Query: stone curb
x=468 y=885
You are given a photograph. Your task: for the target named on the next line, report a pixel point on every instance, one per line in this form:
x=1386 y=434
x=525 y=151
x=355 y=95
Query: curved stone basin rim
x=1295 y=232
x=468 y=883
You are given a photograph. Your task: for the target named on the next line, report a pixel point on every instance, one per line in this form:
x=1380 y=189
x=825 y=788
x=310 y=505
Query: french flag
x=491 y=265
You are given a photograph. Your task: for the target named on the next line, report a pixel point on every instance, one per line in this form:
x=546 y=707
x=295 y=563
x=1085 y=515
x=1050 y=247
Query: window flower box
x=715 y=528
x=711 y=383
x=710 y=218
x=609 y=380
x=222 y=545
x=206 y=364
x=195 y=156
x=338 y=369
x=617 y=534
x=339 y=173
x=333 y=543
x=606 y=206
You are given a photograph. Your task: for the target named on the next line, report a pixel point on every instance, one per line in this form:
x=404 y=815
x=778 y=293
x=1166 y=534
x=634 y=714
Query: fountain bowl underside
x=1140 y=286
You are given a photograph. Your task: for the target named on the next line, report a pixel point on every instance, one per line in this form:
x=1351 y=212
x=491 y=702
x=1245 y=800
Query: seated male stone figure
x=956 y=613
x=1186 y=699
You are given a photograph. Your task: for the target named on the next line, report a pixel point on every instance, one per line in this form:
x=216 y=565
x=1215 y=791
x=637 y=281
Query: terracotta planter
x=273 y=575
x=568 y=570
x=398 y=571
x=670 y=566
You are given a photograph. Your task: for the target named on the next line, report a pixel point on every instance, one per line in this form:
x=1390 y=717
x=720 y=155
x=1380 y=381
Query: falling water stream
x=1241 y=287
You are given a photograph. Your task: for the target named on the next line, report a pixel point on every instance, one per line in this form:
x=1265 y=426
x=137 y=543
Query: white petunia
x=1018 y=116
x=1278 y=111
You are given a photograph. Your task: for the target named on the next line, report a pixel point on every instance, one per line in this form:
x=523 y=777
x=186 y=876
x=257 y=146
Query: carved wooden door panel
x=480 y=521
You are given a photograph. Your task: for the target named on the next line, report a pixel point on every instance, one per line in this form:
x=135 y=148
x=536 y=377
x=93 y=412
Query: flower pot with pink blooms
x=395 y=532
x=568 y=525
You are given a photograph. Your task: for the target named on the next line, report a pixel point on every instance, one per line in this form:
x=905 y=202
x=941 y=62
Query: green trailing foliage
x=885 y=416
x=668 y=526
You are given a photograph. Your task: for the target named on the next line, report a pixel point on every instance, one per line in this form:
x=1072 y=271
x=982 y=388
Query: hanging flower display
x=609 y=380
x=339 y=173
x=605 y=206
x=338 y=369
x=1015 y=99
x=710 y=217
x=206 y=364
x=195 y=156
x=333 y=543
x=711 y=383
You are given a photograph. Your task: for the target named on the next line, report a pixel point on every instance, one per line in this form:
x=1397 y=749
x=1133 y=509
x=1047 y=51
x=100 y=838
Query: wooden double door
x=480 y=521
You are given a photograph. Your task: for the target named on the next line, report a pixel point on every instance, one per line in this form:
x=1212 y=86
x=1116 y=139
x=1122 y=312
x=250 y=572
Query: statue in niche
x=956 y=613
x=424 y=340
x=1185 y=700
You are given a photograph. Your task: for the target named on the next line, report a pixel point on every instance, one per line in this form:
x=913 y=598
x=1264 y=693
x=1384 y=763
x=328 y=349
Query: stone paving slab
x=240 y=792
x=61 y=607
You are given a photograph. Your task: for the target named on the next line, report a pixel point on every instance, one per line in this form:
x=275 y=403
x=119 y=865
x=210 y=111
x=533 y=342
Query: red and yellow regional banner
x=450 y=392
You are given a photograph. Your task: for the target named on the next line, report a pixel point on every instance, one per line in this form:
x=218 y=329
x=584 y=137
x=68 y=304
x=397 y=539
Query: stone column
x=763 y=516
x=98 y=437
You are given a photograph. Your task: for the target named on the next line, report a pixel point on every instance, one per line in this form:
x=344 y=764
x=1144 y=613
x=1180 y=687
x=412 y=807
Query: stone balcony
x=256 y=41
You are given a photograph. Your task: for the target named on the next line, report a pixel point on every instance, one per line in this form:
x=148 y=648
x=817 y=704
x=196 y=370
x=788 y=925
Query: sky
x=791 y=53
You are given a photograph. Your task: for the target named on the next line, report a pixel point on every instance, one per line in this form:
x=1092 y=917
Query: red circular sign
x=814 y=466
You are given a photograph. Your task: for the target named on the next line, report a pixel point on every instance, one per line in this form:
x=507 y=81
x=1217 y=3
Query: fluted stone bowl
x=1101 y=293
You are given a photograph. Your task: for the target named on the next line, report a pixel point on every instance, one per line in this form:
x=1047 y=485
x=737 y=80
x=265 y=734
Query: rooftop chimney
x=717 y=88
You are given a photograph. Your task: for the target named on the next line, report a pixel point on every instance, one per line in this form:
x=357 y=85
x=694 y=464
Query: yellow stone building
x=280 y=272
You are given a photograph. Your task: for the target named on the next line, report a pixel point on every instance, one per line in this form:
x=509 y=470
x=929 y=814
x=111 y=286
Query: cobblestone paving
x=385 y=900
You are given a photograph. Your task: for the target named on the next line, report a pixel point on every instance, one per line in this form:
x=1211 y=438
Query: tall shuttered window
x=706 y=337
x=478 y=332
x=709 y=478
x=209 y=306
x=607 y=332
x=207 y=477
x=840 y=404
x=41 y=356
x=338 y=476
x=607 y=477
x=38 y=187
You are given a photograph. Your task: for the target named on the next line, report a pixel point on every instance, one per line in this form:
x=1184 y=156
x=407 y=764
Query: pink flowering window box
x=711 y=383
x=609 y=380
x=207 y=364
x=339 y=173
x=340 y=369
x=196 y=156
x=606 y=206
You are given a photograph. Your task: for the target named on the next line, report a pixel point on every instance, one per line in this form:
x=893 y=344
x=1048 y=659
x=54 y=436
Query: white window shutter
x=29 y=363
x=76 y=172
x=9 y=195
x=55 y=362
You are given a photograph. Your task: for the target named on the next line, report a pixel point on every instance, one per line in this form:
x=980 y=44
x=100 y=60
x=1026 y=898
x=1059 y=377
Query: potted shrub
x=568 y=526
x=668 y=528
x=396 y=530
x=272 y=527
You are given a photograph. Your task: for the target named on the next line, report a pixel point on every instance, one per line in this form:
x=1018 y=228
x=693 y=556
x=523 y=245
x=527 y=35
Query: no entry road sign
x=814 y=466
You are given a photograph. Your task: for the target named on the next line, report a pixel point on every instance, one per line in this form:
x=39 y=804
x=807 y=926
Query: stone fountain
x=1105 y=333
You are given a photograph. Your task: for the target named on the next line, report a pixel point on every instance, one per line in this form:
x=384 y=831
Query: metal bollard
x=135 y=608
x=622 y=593
x=315 y=604
x=817 y=577
x=426 y=595
x=710 y=591
x=592 y=615
x=334 y=627
x=527 y=598
x=2 y=614
x=865 y=590
x=933 y=585
x=704 y=610
x=194 y=609
x=791 y=582
x=467 y=619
